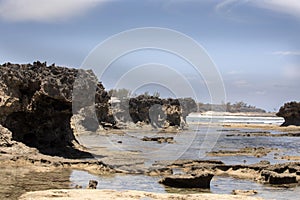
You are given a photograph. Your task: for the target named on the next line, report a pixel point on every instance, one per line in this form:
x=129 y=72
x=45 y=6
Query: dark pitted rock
x=92 y=184
x=160 y=113
x=244 y=192
x=291 y=113
x=278 y=179
x=36 y=106
x=188 y=181
x=282 y=179
x=159 y=139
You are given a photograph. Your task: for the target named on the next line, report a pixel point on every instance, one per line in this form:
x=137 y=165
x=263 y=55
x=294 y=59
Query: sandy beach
x=123 y=195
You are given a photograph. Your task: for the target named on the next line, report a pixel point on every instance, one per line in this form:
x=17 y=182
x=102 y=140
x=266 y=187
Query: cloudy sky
x=254 y=44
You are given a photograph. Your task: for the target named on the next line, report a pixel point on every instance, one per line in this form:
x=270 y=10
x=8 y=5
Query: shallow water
x=194 y=144
x=20 y=182
x=187 y=146
x=16 y=181
x=219 y=185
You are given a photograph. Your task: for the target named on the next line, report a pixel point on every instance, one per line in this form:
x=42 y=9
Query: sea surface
x=198 y=118
x=192 y=143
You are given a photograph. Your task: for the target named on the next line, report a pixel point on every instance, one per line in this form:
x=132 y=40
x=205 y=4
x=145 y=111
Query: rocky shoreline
x=285 y=174
x=39 y=129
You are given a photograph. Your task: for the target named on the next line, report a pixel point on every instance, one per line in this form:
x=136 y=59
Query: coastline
x=133 y=163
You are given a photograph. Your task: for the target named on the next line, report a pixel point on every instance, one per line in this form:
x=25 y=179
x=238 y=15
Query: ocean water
x=198 y=118
x=194 y=143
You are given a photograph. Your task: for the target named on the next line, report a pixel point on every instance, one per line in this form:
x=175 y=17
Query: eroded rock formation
x=160 y=113
x=263 y=172
x=291 y=113
x=36 y=106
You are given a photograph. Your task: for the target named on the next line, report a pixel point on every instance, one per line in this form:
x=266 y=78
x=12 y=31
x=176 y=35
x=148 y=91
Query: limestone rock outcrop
x=291 y=113
x=36 y=106
x=160 y=113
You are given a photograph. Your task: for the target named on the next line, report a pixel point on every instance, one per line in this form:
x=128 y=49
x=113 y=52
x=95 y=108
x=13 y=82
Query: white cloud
x=241 y=83
x=287 y=53
x=226 y=5
x=44 y=10
x=291 y=72
x=234 y=72
x=260 y=92
x=290 y=7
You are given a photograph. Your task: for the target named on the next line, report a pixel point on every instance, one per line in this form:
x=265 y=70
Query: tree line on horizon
x=236 y=107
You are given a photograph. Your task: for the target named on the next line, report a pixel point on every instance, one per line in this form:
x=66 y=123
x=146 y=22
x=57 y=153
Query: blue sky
x=255 y=44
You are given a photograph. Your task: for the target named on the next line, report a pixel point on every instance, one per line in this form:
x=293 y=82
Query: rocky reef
x=291 y=113
x=203 y=171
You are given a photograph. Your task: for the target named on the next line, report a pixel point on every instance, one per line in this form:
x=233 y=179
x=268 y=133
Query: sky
x=254 y=44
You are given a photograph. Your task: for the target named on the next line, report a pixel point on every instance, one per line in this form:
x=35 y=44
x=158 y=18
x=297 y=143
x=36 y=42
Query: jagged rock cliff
x=291 y=113
x=36 y=106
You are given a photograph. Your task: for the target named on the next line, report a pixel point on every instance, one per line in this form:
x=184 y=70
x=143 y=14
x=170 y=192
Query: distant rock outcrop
x=291 y=113
x=160 y=113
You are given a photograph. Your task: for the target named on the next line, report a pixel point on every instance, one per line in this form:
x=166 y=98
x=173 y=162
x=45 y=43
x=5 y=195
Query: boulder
x=277 y=178
x=291 y=113
x=92 y=184
x=188 y=181
x=282 y=179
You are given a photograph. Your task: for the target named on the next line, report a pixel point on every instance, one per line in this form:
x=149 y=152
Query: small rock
x=92 y=184
x=282 y=179
x=244 y=192
x=264 y=162
x=278 y=179
x=159 y=139
x=188 y=181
